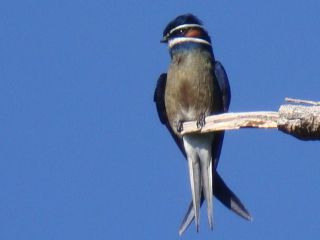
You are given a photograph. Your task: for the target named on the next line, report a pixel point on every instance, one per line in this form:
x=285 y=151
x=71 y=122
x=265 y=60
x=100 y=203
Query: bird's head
x=186 y=28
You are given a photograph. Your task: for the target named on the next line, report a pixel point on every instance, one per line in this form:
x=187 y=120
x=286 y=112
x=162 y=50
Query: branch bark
x=302 y=122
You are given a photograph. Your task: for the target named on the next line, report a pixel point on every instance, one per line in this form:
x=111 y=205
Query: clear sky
x=82 y=152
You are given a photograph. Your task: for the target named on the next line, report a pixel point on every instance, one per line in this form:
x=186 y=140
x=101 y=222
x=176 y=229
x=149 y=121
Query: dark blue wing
x=158 y=98
x=223 y=82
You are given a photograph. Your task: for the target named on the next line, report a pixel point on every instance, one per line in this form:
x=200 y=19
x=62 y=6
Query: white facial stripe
x=184 y=26
x=175 y=41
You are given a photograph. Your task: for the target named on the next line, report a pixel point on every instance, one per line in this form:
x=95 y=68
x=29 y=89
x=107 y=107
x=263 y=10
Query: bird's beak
x=164 y=39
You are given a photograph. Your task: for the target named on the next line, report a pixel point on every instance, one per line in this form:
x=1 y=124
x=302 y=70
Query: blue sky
x=83 y=154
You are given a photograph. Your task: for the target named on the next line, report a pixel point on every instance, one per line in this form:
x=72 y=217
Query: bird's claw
x=201 y=121
x=179 y=126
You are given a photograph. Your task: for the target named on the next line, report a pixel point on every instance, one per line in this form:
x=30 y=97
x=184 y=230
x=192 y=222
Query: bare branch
x=302 y=122
x=300 y=101
x=232 y=121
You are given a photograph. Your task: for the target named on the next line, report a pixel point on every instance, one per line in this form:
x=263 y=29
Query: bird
x=194 y=87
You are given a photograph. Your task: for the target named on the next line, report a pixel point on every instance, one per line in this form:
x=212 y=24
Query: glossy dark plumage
x=180 y=20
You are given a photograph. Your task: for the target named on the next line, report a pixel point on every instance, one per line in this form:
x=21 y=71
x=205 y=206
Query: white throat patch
x=178 y=40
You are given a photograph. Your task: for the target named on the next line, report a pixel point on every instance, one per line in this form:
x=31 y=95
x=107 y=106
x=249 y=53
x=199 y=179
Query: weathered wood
x=302 y=122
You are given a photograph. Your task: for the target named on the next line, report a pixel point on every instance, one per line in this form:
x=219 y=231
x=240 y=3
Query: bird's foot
x=201 y=121
x=179 y=126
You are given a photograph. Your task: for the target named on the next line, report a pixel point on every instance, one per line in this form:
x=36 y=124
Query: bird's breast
x=190 y=89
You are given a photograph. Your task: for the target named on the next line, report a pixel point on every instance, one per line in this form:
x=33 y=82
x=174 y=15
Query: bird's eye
x=182 y=31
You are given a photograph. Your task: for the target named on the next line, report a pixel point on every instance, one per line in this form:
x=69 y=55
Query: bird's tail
x=224 y=194
x=199 y=156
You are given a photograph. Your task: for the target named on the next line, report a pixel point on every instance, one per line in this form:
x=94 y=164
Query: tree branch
x=302 y=122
